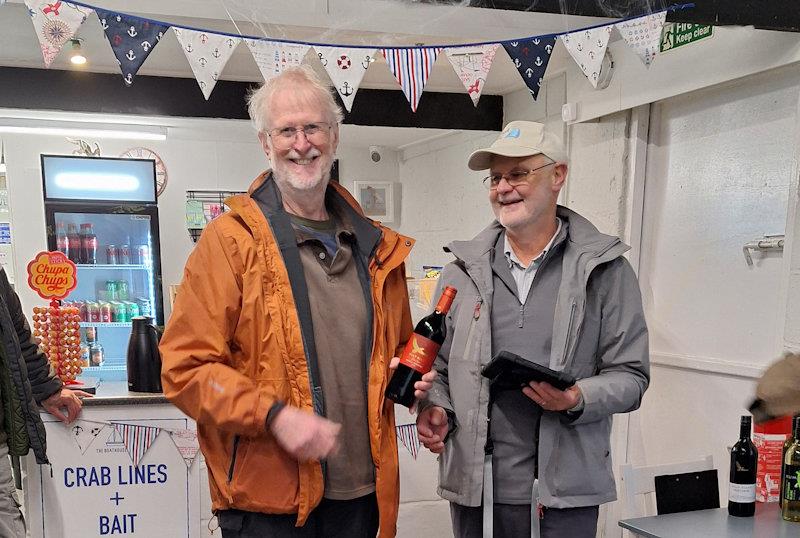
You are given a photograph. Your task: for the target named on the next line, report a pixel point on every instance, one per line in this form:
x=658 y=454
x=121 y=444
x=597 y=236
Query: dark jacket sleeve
x=43 y=380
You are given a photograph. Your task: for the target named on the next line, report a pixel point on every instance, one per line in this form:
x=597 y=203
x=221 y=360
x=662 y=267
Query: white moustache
x=310 y=154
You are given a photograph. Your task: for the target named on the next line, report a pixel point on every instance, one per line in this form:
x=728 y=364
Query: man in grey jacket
x=543 y=283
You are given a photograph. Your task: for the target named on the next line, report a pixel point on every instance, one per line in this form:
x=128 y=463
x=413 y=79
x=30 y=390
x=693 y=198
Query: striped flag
x=137 y=439
x=411 y=67
x=407 y=433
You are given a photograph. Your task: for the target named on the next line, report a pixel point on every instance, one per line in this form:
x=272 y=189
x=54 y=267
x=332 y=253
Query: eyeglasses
x=513 y=178
x=316 y=133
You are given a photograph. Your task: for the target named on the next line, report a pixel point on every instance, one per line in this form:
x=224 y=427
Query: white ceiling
x=363 y=22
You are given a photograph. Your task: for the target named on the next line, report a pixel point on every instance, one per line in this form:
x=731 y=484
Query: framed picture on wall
x=376 y=198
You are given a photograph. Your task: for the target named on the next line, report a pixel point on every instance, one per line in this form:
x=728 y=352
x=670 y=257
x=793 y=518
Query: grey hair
x=258 y=101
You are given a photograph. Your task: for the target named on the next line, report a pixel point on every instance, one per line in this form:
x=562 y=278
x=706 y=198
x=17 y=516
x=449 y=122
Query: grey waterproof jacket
x=599 y=336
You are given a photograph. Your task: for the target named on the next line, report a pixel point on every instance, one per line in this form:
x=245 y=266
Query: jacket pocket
x=263 y=476
x=583 y=460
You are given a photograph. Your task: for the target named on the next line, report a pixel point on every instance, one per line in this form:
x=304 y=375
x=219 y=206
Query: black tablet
x=510 y=371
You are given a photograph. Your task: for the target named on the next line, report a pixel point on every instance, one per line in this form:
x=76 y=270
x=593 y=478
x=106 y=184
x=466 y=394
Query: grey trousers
x=514 y=521
x=12 y=525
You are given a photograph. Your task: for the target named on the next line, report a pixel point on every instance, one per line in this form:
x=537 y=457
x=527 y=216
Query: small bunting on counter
x=407 y=433
x=84 y=433
x=137 y=439
x=186 y=442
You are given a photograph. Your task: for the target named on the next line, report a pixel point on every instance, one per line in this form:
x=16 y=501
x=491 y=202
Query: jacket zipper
x=476 y=314
x=568 y=343
x=233 y=458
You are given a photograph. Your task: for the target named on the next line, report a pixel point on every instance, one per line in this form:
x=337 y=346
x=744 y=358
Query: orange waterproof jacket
x=238 y=341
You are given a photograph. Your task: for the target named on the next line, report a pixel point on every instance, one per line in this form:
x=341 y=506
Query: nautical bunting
x=407 y=433
x=411 y=67
x=186 y=443
x=273 y=57
x=132 y=40
x=587 y=48
x=55 y=24
x=137 y=439
x=207 y=54
x=643 y=35
x=472 y=66
x=531 y=57
x=84 y=434
x=346 y=67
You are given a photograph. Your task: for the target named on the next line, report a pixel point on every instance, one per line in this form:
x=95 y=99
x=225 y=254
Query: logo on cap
x=512 y=133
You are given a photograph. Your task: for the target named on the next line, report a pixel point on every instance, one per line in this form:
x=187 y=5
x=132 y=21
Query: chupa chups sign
x=52 y=275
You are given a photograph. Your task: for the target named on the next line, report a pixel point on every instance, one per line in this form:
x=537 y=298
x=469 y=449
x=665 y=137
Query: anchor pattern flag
x=346 y=67
x=273 y=57
x=131 y=39
x=84 y=433
x=643 y=35
x=137 y=439
x=472 y=66
x=207 y=54
x=407 y=433
x=411 y=67
x=587 y=48
x=186 y=443
x=531 y=57
x=55 y=24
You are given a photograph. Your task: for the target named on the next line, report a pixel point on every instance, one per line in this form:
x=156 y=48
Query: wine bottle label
x=742 y=493
x=791 y=483
x=419 y=353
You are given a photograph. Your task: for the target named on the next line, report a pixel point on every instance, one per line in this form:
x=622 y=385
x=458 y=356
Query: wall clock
x=161 y=169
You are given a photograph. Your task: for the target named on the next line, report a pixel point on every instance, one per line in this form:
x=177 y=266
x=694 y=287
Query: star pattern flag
x=587 y=48
x=407 y=433
x=207 y=53
x=272 y=57
x=186 y=443
x=472 y=66
x=55 y=24
x=346 y=67
x=411 y=68
x=137 y=439
x=531 y=57
x=84 y=433
x=643 y=35
x=132 y=40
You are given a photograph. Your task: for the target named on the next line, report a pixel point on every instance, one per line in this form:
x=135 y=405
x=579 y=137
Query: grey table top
x=117 y=393
x=714 y=523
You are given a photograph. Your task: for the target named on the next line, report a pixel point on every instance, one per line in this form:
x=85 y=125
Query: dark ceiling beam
x=765 y=14
x=71 y=91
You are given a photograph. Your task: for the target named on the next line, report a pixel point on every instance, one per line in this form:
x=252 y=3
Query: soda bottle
x=74 y=244
x=62 y=241
x=88 y=243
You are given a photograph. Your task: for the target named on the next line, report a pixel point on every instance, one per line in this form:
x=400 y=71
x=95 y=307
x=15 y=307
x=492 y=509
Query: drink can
x=111 y=290
x=122 y=290
x=94 y=312
x=120 y=313
x=124 y=254
x=105 y=313
x=133 y=310
x=144 y=306
x=143 y=254
x=83 y=310
x=111 y=255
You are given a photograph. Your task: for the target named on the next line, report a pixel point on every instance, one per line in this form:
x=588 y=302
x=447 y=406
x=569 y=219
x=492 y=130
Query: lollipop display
x=57 y=331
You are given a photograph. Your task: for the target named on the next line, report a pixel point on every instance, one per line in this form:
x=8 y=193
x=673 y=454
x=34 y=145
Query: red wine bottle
x=420 y=351
x=742 y=484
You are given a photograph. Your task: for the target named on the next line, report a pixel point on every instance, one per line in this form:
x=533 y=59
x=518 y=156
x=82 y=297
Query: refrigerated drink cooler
x=102 y=213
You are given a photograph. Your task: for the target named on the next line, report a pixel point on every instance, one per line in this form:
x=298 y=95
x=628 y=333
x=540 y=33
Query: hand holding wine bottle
x=421 y=387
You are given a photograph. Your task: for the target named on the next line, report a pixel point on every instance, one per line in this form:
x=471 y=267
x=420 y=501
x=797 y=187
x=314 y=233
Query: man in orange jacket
x=292 y=306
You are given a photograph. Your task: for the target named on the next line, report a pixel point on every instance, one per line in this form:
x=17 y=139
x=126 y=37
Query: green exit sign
x=678 y=34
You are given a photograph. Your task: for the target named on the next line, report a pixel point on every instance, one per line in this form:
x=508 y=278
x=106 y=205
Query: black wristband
x=273 y=412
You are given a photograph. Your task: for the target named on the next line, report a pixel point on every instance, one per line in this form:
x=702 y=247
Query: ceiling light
x=77 y=56
x=82 y=129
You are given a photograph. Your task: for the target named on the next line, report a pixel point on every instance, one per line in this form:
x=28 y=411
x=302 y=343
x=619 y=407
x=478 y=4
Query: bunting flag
x=407 y=433
x=531 y=57
x=472 y=66
x=137 y=439
x=411 y=68
x=207 y=54
x=84 y=434
x=273 y=57
x=132 y=40
x=643 y=35
x=186 y=443
x=346 y=67
x=587 y=48
x=55 y=24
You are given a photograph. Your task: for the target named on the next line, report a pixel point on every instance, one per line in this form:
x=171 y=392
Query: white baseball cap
x=520 y=139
